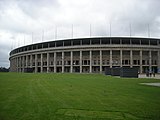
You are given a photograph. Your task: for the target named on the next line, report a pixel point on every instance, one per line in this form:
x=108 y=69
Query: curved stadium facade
x=87 y=55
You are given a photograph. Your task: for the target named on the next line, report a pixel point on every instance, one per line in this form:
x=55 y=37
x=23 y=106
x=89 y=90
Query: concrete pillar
x=14 y=64
x=90 y=66
x=130 y=41
x=31 y=60
x=41 y=62
x=120 y=58
x=26 y=61
x=71 y=62
x=100 y=42
x=10 y=64
x=131 y=58
x=140 y=61
x=110 y=41
x=80 y=61
x=100 y=61
x=62 y=62
x=55 y=69
x=47 y=62
x=35 y=63
x=158 y=61
x=150 y=61
x=23 y=63
x=110 y=59
x=71 y=43
x=20 y=63
x=17 y=64
x=120 y=41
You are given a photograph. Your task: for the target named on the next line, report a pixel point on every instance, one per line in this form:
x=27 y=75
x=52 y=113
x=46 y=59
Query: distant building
x=88 y=55
x=3 y=69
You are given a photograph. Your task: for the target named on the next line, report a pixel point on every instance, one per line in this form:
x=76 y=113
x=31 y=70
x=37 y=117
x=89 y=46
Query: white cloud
x=19 y=18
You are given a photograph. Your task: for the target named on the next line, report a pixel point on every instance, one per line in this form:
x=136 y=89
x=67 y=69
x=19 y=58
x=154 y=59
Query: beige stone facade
x=88 y=55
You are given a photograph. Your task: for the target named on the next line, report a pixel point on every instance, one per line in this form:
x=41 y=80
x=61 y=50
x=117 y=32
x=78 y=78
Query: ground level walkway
x=157 y=76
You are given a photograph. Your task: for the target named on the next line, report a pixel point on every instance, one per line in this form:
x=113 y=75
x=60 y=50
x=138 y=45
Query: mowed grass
x=25 y=96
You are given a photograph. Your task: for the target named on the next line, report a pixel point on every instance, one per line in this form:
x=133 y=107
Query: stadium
x=87 y=55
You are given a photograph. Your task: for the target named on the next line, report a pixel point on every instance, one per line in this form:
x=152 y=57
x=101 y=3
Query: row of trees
x=3 y=69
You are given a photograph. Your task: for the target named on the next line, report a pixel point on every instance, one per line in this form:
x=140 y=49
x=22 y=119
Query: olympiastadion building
x=87 y=55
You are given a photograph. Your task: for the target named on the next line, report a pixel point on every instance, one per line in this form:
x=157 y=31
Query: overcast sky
x=20 y=19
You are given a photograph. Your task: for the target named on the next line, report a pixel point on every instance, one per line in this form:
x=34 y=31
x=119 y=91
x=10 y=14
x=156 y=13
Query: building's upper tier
x=88 y=41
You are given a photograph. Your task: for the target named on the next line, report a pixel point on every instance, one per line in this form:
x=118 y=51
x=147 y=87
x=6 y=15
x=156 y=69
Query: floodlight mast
x=90 y=30
x=42 y=35
x=130 y=29
x=110 y=29
x=72 y=31
x=24 y=40
x=148 y=31
x=55 y=32
x=32 y=37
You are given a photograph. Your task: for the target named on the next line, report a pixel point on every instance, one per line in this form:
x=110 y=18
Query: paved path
x=157 y=76
x=152 y=84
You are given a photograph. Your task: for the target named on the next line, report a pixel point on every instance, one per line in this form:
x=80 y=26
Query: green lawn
x=76 y=97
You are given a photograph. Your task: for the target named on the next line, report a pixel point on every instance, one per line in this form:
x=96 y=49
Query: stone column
x=90 y=66
x=31 y=60
x=121 y=58
x=62 y=62
x=100 y=61
x=14 y=63
x=41 y=62
x=120 y=41
x=80 y=61
x=150 y=61
x=131 y=58
x=10 y=65
x=17 y=64
x=47 y=62
x=23 y=63
x=26 y=61
x=140 y=61
x=35 y=63
x=55 y=69
x=158 y=61
x=110 y=59
x=20 y=63
x=71 y=61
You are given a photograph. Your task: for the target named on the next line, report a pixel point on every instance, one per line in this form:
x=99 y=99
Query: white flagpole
x=148 y=31
x=12 y=45
x=72 y=31
x=42 y=35
x=24 y=40
x=130 y=30
x=55 y=32
x=90 y=30
x=18 y=42
x=32 y=37
x=110 y=29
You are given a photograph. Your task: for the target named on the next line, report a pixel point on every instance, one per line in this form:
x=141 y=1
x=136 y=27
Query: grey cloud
x=4 y=55
x=27 y=16
x=33 y=8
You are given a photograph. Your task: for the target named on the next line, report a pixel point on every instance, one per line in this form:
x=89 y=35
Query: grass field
x=76 y=97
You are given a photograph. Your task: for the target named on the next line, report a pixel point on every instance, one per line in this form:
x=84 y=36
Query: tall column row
x=96 y=61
